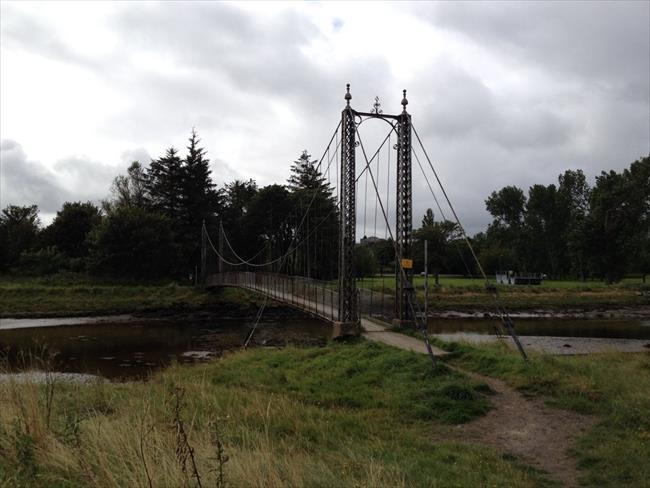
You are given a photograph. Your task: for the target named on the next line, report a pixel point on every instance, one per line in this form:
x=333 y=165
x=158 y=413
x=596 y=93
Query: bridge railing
x=317 y=297
x=374 y=303
x=314 y=296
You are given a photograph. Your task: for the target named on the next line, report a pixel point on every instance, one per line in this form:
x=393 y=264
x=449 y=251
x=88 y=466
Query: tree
x=507 y=206
x=573 y=196
x=619 y=219
x=128 y=190
x=70 y=228
x=267 y=220
x=135 y=244
x=200 y=199
x=504 y=234
x=19 y=228
x=544 y=230
x=238 y=197
x=164 y=184
x=365 y=261
x=439 y=236
x=316 y=221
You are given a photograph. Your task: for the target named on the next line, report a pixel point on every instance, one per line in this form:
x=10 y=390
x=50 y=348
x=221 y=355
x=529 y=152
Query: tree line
x=150 y=226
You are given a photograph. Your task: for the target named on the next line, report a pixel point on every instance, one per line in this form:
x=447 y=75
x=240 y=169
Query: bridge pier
x=346 y=329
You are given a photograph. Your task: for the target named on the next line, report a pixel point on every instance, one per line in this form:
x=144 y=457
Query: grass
x=616 y=387
x=74 y=295
x=347 y=415
x=456 y=293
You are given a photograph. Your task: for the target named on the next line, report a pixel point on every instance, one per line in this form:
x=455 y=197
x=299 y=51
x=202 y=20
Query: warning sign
x=407 y=263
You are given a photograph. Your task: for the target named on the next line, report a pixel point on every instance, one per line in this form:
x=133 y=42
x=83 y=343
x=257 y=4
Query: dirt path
x=538 y=435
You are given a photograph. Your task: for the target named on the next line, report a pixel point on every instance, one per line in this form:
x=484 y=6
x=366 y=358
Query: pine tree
x=312 y=195
x=200 y=199
x=165 y=184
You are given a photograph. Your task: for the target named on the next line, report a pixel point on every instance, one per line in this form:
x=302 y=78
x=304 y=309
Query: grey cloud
x=139 y=154
x=226 y=71
x=27 y=182
x=23 y=31
x=597 y=41
x=24 y=182
x=89 y=180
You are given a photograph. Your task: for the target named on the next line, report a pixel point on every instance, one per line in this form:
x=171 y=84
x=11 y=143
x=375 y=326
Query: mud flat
x=559 y=345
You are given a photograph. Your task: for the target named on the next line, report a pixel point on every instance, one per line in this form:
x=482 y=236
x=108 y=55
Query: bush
x=43 y=262
x=136 y=244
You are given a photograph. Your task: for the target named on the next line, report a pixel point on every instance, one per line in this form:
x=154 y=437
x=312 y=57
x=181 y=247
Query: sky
x=501 y=93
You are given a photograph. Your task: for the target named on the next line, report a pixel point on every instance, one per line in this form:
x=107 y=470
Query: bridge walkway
x=317 y=299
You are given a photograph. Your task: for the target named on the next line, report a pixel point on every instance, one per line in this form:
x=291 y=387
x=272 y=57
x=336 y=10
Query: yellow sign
x=407 y=263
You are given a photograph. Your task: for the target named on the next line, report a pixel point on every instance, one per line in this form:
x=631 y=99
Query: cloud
x=26 y=182
x=501 y=93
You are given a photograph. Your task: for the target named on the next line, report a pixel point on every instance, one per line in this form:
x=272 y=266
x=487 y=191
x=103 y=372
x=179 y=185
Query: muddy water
x=130 y=348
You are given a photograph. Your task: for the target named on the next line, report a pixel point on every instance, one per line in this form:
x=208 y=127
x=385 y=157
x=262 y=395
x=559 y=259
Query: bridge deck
x=318 y=300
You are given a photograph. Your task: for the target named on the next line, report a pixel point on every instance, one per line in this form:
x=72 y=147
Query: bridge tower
x=404 y=220
x=348 y=320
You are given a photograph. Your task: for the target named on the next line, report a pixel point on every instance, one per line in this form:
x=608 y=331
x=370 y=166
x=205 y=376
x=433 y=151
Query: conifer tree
x=200 y=199
x=165 y=184
x=312 y=194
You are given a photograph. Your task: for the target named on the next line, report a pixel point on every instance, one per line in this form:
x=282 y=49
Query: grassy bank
x=616 y=387
x=77 y=295
x=69 y=295
x=347 y=415
x=469 y=294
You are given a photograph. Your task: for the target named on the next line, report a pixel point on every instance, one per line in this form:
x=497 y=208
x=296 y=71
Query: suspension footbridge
x=310 y=262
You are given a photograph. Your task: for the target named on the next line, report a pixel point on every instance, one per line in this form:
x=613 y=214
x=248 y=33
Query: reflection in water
x=134 y=349
x=603 y=328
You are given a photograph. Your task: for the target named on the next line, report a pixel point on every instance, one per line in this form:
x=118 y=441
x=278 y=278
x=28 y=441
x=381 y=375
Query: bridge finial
x=405 y=102
x=376 y=107
x=348 y=97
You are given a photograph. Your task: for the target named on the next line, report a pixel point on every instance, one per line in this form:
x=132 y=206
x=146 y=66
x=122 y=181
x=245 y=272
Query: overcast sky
x=501 y=93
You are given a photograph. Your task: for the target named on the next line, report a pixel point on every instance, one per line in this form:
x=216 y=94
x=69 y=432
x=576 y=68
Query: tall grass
x=359 y=415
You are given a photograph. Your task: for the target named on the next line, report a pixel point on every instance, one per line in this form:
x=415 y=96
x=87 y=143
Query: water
x=129 y=348
x=593 y=328
x=125 y=347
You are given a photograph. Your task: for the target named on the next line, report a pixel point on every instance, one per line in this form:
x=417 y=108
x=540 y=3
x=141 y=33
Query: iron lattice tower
x=348 y=303
x=348 y=298
x=404 y=218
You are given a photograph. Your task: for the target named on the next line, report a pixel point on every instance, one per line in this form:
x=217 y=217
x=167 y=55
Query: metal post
x=426 y=281
x=348 y=319
x=220 y=246
x=404 y=219
x=204 y=271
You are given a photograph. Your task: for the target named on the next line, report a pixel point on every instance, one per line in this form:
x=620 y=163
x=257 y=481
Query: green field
x=76 y=295
x=469 y=294
x=346 y=415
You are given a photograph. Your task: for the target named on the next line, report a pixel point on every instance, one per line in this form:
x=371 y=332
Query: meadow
x=353 y=414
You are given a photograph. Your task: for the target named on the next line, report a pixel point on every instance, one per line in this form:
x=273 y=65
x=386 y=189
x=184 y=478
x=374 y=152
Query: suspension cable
x=249 y=260
x=398 y=257
x=462 y=229
x=505 y=317
x=426 y=178
x=263 y=307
